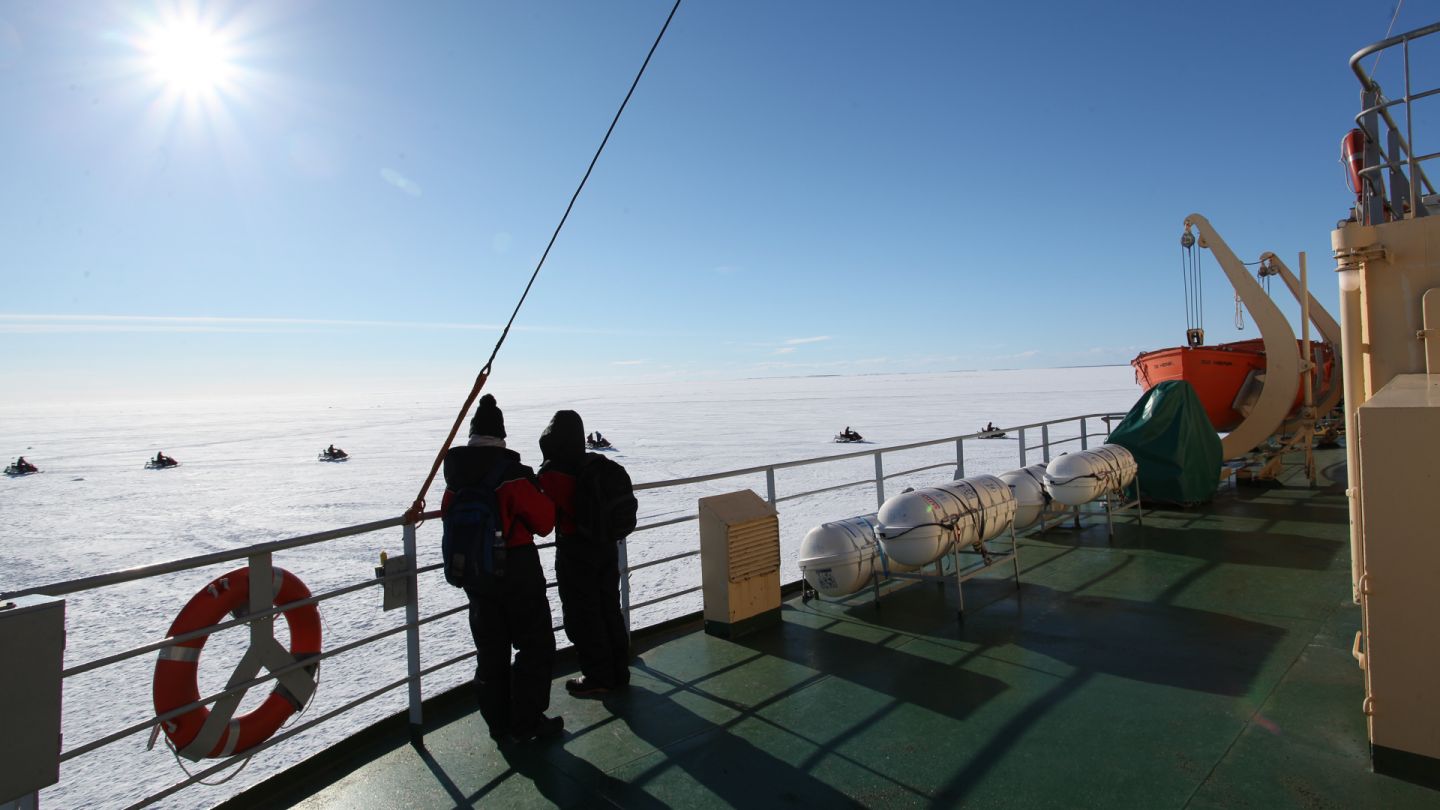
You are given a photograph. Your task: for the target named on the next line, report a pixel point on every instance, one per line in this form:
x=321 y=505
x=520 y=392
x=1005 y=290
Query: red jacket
x=559 y=487
x=524 y=511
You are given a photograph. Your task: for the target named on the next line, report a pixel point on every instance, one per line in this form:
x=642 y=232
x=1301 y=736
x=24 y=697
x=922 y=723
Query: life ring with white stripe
x=176 y=671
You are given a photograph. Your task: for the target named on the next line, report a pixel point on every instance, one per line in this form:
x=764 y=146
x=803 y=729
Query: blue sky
x=360 y=192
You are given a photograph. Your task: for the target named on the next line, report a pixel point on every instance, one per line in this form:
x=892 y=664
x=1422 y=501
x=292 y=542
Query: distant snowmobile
x=21 y=467
x=161 y=462
x=333 y=453
x=595 y=441
x=847 y=436
x=991 y=432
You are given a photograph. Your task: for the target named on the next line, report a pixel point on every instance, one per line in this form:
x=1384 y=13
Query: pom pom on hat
x=488 y=420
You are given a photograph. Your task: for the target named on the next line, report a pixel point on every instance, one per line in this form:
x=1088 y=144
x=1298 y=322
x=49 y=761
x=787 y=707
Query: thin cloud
x=401 y=182
x=798 y=341
x=786 y=350
x=57 y=323
x=627 y=362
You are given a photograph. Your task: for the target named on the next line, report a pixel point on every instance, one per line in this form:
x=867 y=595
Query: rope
x=1391 y=27
x=1194 y=286
x=412 y=516
x=191 y=775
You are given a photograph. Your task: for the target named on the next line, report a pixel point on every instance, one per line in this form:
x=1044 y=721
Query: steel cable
x=413 y=515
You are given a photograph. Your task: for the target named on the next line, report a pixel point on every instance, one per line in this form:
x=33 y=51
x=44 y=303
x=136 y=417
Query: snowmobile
x=846 y=437
x=17 y=469
x=600 y=443
x=338 y=455
x=163 y=463
x=993 y=433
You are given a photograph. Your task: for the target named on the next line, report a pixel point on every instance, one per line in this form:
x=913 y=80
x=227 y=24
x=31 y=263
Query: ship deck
x=1200 y=660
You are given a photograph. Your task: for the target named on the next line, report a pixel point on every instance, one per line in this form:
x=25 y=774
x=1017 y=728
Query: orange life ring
x=1352 y=154
x=175 y=672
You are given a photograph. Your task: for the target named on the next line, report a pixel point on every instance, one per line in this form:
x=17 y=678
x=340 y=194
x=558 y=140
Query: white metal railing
x=1392 y=152
x=259 y=556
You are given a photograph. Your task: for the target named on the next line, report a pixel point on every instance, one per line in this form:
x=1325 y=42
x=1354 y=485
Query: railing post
x=1022 y=447
x=879 y=481
x=1084 y=435
x=412 y=632
x=1045 y=443
x=624 y=583
x=1373 y=199
x=959 y=459
x=770 y=485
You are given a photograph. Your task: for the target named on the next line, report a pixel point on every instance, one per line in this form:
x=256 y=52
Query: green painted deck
x=1202 y=660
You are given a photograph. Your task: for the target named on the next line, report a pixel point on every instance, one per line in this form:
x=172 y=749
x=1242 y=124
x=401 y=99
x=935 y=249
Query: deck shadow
x=941 y=688
x=1183 y=647
x=1187 y=648
x=1276 y=550
x=567 y=780
x=729 y=767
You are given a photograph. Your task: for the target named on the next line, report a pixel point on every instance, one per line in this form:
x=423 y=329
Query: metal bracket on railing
x=393 y=572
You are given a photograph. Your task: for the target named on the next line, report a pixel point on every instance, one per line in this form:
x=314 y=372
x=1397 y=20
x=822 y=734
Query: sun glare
x=189 y=58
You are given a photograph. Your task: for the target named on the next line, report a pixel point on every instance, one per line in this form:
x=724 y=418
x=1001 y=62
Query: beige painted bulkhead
x=1392 y=416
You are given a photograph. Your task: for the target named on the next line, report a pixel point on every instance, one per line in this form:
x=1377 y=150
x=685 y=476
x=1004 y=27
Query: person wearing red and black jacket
x=512 y=610
x=587 y=569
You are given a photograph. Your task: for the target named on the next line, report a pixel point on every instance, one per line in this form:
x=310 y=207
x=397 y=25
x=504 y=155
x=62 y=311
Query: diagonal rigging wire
x=1391 y=27
x=418 y=507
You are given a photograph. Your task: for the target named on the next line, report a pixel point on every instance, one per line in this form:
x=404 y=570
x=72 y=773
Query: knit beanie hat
x=488 y=420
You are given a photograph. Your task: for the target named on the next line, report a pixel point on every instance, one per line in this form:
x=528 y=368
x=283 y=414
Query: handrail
x=187 y=563
x=414 y=620
x=785 y=465
x=1382 y=45
x=1375 y=104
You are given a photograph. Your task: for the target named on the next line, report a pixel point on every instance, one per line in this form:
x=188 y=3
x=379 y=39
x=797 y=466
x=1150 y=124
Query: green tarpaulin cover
x=1174 y=443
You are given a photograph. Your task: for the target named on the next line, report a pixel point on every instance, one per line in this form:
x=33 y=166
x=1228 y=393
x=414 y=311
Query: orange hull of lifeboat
x=1218 y=373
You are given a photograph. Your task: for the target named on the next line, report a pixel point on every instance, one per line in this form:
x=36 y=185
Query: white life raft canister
x=841 y=557
x=1079 y=478
x=1028 y=484
x=917 y=527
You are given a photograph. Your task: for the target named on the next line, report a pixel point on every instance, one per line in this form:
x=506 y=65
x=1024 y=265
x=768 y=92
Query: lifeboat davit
x=1224 y=376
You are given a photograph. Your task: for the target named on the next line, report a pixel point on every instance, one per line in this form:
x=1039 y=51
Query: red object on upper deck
x=1218 y=373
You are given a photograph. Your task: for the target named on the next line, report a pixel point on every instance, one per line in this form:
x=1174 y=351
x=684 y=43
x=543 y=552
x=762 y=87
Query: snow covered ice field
x=249 y=474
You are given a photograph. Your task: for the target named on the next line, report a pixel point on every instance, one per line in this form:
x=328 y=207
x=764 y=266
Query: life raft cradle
x=204 y=732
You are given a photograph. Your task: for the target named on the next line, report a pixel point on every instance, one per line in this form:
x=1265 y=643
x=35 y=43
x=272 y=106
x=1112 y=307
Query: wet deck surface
x=1202 y=660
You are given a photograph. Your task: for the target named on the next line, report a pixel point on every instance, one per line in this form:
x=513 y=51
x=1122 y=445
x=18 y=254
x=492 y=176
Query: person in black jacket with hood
x=512 y=610
x=587 y=569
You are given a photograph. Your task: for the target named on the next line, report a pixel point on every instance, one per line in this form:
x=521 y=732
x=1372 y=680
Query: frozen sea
x=248 y=474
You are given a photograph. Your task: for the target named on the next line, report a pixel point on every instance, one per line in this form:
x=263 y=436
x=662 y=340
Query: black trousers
x=513 y=611
x=589 y=580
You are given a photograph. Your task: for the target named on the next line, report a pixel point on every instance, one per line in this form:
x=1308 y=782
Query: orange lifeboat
x=1224 y=376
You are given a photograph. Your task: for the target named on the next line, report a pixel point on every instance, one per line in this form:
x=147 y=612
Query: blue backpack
x=473 y=545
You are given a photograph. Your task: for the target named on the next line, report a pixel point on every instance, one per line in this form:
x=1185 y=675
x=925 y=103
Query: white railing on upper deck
x=1036 y=439
x=1393 y=161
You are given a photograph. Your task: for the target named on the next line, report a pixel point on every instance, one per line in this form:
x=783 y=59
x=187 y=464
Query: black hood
x=564 y=437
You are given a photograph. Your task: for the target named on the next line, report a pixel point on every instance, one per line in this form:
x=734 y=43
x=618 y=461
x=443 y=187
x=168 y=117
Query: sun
x=189 y=58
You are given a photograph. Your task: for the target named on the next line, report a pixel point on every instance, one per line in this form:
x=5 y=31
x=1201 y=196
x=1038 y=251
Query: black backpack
x=605 y=505
x=473 y=545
